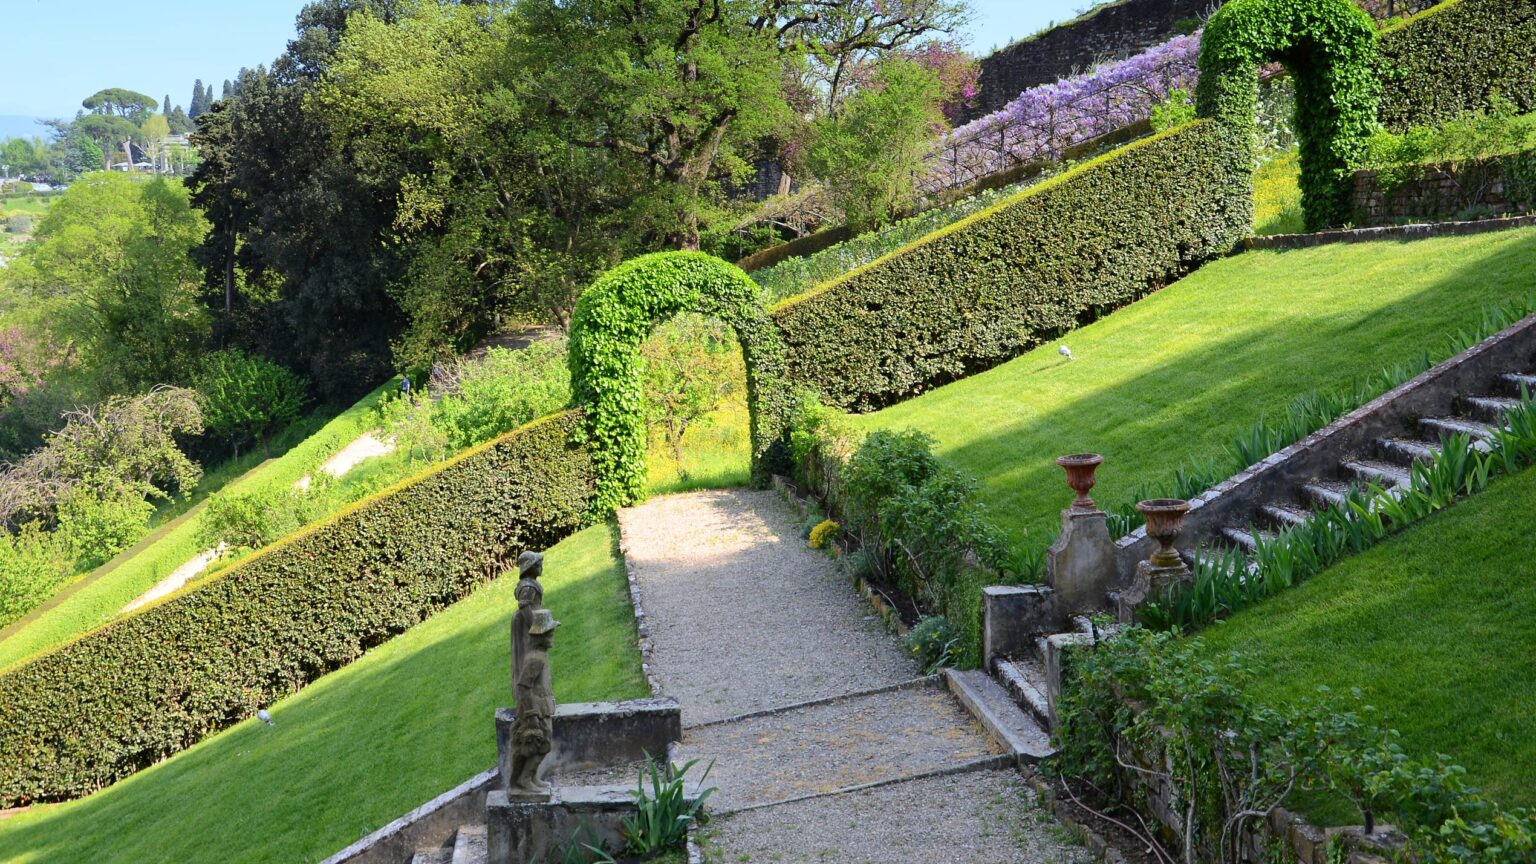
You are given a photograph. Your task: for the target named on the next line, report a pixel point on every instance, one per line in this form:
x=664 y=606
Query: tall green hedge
x=990 y=286
x=1449 y=60
x=138 y=690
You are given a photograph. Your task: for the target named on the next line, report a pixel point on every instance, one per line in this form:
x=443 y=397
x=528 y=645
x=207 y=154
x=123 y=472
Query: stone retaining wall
x=1440 y=192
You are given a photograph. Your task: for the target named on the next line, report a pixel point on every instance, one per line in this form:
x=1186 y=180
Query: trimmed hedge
x=994 y=284
x=1329 y=48
x=1448 y=60
x=138 y=690
x=613 y=318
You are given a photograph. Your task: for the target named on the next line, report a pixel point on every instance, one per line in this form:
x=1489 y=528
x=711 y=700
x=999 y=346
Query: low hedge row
x=996 y=283
x=1449 y=60
x=138 y=690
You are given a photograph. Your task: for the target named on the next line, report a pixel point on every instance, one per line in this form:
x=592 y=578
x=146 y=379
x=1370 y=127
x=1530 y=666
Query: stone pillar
x=1012 y=616
x=1080 y=566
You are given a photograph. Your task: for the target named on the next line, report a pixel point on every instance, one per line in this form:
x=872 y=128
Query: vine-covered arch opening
x=1329 y=49
x=616 y=315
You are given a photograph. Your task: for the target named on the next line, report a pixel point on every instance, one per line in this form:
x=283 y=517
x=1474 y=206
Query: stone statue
x=530 y=599
x=533 y=730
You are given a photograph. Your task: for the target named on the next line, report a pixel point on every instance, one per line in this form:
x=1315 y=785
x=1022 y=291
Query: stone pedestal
x=1080 y=566
x=523 y=832
x=1149 y=582
x=1012 y=616
x=597 y=734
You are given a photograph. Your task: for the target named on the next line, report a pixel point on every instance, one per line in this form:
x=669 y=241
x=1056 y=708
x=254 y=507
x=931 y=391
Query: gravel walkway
x=978 y=818
x=824 y=748
x=742 y=615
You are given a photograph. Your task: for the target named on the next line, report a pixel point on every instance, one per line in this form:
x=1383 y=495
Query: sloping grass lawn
x=1172 y=379
x=360 y=747
x=1434 y=626
x=102 y=594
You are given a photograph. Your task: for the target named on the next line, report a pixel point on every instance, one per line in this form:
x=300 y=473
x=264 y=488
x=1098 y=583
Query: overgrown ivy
x=612 y=320
x=1329 y=48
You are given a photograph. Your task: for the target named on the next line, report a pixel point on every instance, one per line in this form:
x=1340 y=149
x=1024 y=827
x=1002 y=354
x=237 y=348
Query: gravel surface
x=823 y=748
x=743 y=616
x=978 y=818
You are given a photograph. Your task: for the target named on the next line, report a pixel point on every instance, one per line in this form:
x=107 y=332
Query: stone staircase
x=468 y=847
x=1386 y=464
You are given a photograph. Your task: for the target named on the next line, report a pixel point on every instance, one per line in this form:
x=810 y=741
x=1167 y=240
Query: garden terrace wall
x=140 y=689
x=996 y=283
x=1449 y=60
x=1442 y=191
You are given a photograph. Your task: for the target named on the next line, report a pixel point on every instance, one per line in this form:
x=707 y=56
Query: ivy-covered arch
x=616 y=314
x=1329 y=49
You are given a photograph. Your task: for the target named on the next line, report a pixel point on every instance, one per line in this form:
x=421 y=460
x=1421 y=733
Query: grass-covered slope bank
x=1172 y=379
x=359 y=747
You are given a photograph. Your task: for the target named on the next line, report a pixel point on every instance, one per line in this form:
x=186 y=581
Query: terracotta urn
x=1165 y=518
x=1080 y=468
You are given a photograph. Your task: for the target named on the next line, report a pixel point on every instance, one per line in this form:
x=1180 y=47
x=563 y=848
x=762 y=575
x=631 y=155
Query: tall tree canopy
x=117 y=102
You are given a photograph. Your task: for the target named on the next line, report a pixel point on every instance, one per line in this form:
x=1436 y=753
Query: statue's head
x=530 y=565
x=541 y=629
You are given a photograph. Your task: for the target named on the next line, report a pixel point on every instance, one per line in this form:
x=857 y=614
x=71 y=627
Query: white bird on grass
x=264 y=716
x=1065 y=352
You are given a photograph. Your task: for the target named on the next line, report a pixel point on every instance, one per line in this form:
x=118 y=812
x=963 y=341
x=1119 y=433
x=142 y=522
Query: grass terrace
x=356 y=749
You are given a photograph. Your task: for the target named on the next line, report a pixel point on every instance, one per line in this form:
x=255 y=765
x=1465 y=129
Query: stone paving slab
x=742 y=615
x=824 y=748
x=978 y=818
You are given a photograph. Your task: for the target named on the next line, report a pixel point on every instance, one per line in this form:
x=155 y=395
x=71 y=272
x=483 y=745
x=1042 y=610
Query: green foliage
x=94 y=527
x=664 y=812
x=176 y=671
x=984 y=289
x=21 y=223
x=870 y=153
x=1474 y=146
x=692 y=366
x=244 y=397
x=1151 y=707
x=501 y=391
x=1452 y=59
x=128 y=104
x=1329 y=49
x=34 y=566
x=1277 y=197
x=1176 y=109
x=252 y=519
x=613 y=319
x=934 y=643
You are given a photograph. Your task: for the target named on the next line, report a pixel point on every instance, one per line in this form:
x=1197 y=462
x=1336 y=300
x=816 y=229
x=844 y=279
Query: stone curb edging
x=1389 y=232
x=913 y=684
x=404 y=834
x=642 y=630
x=985 y=763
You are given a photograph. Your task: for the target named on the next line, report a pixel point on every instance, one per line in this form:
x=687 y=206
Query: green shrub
x=503 y=390
x=990 y=286
x=93 y=529
x=21 y=223
x=614 y=317
x=34 y=566
x=1451 y=59
x=934 y=643
x=146 y=686
x=692 y=366
x=1329 y=49
x=244 y=397
x=1176 y=109
x=252 y=519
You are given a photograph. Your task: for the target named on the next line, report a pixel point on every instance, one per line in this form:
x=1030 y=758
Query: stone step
x=469 y=847
x=433 y=856
x=1012 y=729
x=1380 y=473
x=1406 y=451
x=1283 y=517
x=826 y=747
x=1520 y=381
x=1440 y=428
x=1244 y=538
x=1325 y=494
x=1025 y=682
x=1489 y=409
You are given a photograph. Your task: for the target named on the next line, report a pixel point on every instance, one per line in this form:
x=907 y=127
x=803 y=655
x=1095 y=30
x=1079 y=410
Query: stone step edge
x=910 y=684
x=1020 y=734
x=1026 y=692
x=1000 y=761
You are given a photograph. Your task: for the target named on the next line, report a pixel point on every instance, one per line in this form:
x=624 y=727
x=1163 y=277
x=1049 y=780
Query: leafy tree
x=200 y=100
x=108 y=132
x=501 y=391
x=115 y=101
x=870 y=153
x=692 y=366
x=244 y=397
x=180 y=123
x=229 y=89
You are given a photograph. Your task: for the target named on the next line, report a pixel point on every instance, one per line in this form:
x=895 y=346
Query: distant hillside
x=20 y=126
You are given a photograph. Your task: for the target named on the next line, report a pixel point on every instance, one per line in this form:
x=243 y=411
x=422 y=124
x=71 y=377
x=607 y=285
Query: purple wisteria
x=1043 y=121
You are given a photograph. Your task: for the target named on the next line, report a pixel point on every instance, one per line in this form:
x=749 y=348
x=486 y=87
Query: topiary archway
x=616 y=314
x=1329 y=49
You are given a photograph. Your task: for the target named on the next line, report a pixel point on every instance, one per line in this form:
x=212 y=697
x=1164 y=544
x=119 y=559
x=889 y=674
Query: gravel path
x=365 y=446
x=979 y=818
x=177 y=578
x=824 y=748
x=742 y=615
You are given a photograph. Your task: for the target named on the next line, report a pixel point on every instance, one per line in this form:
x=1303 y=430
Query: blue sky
x=60 y=51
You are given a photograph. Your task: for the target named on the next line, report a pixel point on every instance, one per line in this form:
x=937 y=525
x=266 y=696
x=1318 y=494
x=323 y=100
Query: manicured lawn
x=359 y=747
x=1172 y=379
x=1434 y=626
x=103 y=593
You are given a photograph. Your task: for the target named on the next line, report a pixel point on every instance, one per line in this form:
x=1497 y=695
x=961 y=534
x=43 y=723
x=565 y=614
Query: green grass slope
x=360 y=747
x=1173 y=378
x=100 y=595
x=1434 y=626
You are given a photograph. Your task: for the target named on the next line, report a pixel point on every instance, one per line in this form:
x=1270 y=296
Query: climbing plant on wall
x=616 y=314
x=1329 y=49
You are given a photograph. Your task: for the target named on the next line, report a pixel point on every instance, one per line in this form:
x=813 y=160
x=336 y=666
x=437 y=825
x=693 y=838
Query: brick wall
x=1442 y=192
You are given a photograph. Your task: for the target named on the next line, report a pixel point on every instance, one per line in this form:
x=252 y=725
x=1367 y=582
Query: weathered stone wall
x=1440 y=193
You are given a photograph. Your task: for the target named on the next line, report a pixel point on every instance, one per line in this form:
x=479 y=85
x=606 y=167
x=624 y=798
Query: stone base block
x=520 y=832
x=590 y=735
x=1013 y=616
